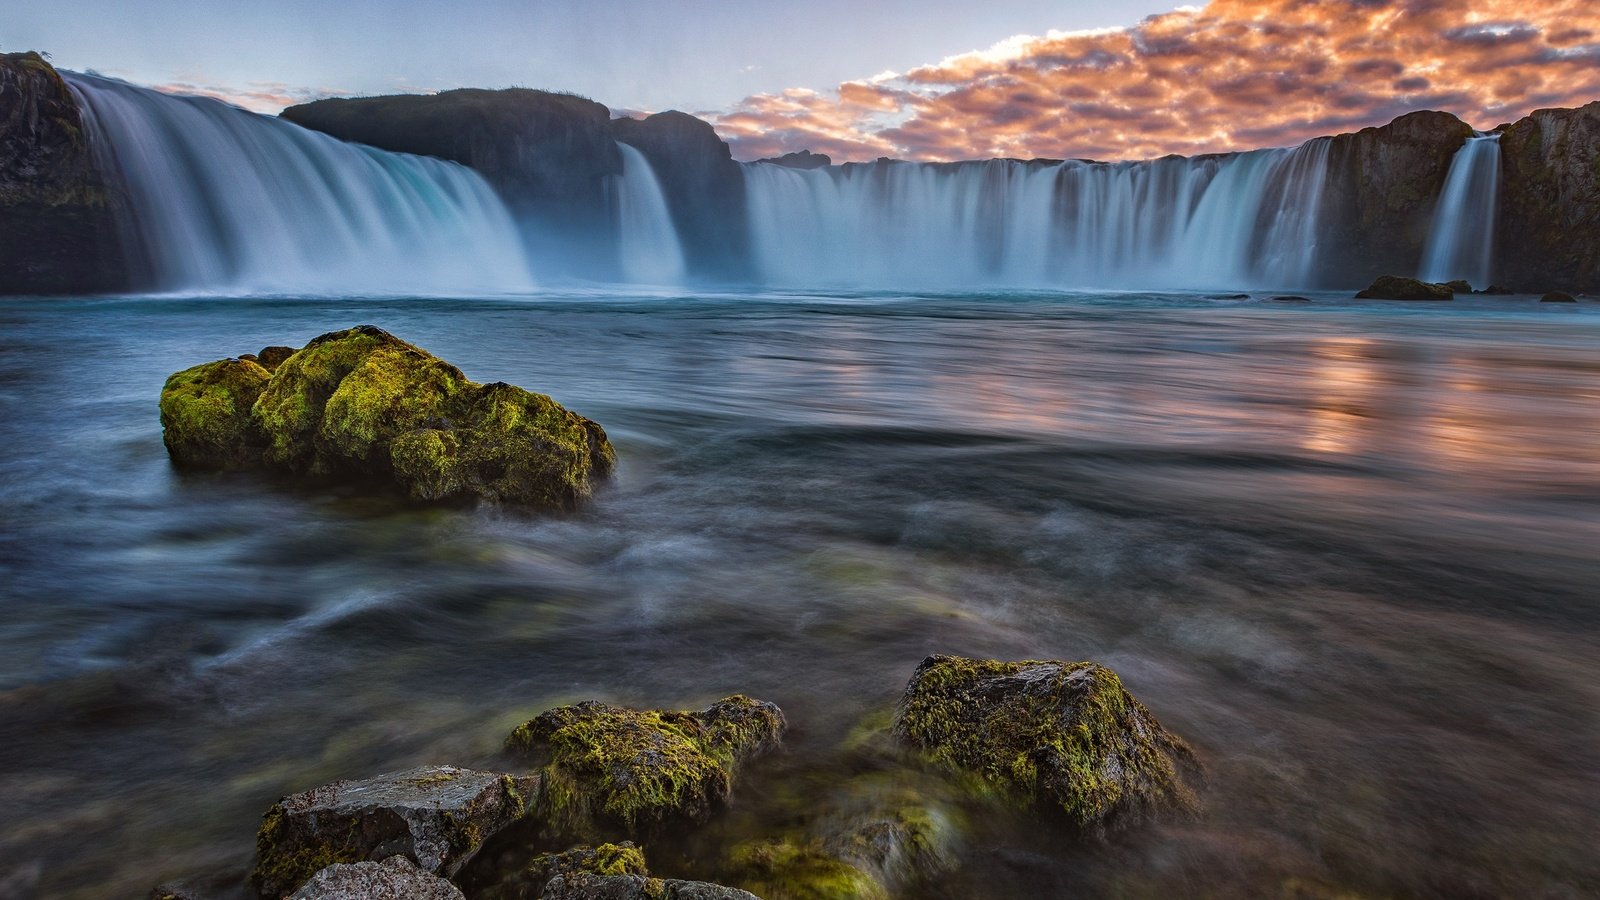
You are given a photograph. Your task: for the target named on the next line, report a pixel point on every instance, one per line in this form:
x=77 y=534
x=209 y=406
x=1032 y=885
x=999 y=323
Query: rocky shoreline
x=588 y=788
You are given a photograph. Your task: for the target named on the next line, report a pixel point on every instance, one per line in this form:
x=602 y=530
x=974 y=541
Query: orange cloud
x=259 y=96
x=1233 y=75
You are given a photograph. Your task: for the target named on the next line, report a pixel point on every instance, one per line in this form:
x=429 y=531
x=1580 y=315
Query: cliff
x=56 y=213
x=1549 y=235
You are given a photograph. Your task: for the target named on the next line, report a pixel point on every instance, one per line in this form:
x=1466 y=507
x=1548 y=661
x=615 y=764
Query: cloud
x=1231 y=75
x=258 y=96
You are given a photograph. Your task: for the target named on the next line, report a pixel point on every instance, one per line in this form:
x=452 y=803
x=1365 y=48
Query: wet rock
x=437 y=816
x=1459 y=286
x=1064 y=737
x=396 y=878
x=609 y=769
x=270 y=358
x=206 y=414
x=586 y=886
x=1496 y=290
x=364 y=402
x=607 y=871
x=801 y=870
x=1395 y=287
x=1289 y=298
x=1558 y=297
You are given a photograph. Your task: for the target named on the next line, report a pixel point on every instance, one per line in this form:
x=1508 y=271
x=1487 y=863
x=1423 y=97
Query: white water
x=227 y=200
x=1245 y=220
x=647 y=241
x=1461 y=242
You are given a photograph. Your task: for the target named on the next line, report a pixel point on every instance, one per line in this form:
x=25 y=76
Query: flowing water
x=647 y=242
x=1347 y=549
x=1461 y=241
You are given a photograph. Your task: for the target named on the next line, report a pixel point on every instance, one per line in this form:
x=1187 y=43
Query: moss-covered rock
x=206 y=419
x=1396 y=287
x=396 y=878
x=588 y=886
x=786 y=869
x=361 y=401
x=1058 y=736
x=611 y=770
x=436 y=816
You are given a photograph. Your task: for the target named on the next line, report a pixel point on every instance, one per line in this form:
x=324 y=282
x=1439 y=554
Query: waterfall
x=1242 y=220
x=1461 y=242
x=647 y=241
x=227 y=200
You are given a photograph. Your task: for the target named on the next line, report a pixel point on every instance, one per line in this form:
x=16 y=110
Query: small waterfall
x=647 y=241
x=227 y=200
x=1242 y=220
x=1461 y=242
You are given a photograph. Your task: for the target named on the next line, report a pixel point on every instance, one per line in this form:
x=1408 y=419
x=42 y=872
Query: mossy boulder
x=436 y=816
x=364 y=402
x=206 y=414
x=1396 y=287
x=605 y=872
x=396 y=878
x=612 y=770
x=1062 y=737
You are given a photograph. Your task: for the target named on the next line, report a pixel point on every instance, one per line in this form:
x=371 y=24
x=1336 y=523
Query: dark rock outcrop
x=703 y=186
x=1060 y=737
x=609 y=770
x=1550 y=200
x=435 y=816
x=584 y=886
x=800 y=159
x=1395 y=287
x=1558 y=297
x=363 y=402
x=396 y=878
x=606 y=872
x=1383 y=185
x=58 y=231
x=549 y=155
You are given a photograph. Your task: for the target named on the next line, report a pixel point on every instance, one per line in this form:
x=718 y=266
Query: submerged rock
x=437 y=816
x=796 y=870
x=1395 y=287
x=396 y=878
x=609 y=769
x=606 y=872
x=1558 y=297
x=1060 y=736
x=361 y=401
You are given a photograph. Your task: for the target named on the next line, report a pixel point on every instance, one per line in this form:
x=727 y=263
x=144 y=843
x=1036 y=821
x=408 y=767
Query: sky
x=858 y=80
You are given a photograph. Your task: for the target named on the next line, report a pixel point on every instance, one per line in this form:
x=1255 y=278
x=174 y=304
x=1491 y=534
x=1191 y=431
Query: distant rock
x=57 y=214
x=437 y=816
x=1394 y=287
x=1496 y=290
x=1558 y=297
x=1550 y=199
x=1289 y=298
x=800 y=159
x=612 y=770
x=1061 y=737
x=363 y=402
x=1459 y=286
x=396 y=878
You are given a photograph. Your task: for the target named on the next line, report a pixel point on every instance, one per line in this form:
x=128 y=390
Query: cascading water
x=1245 y=220
x=227 y=200
x=1461 y=242
x=647 y=241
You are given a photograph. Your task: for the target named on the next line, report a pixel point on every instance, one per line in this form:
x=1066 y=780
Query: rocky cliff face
x=1550 y=200
x=1383 y=185
x=549 y=155
x=57 y=231
x=704 y=188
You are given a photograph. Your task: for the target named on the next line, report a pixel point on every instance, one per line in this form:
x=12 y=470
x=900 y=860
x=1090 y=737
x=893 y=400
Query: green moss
x=1065 y=736
x=291 y=408
x=779 y=869
x=205 y=414
x=395 y=390
x=606 y=859
x=615 y=769
x=283 y=866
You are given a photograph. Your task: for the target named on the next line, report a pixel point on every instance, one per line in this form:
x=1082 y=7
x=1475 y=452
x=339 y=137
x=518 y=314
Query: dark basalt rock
x=1395 y=287
x=363 y=402
x=1550 y=199
x=436 y=816
x=609 y=770
x=396 y=878
x=703 y=186
x=1558 y=297
x=1496 y=290
x=800 y=159
x=1459 y=286
x=1061 y=737
x=56 y=211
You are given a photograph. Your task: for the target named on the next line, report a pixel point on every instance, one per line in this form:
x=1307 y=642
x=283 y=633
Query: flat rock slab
x=396 y=878
x=437 y=816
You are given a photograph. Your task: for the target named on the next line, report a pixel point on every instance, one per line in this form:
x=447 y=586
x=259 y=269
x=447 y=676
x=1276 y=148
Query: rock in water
x=584 y=886
x=363 y=402
x=1558 y=297
x=609 y=769
x=1058 y=735
x=396 y=878
x=438 y=816
x=1394 y=287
